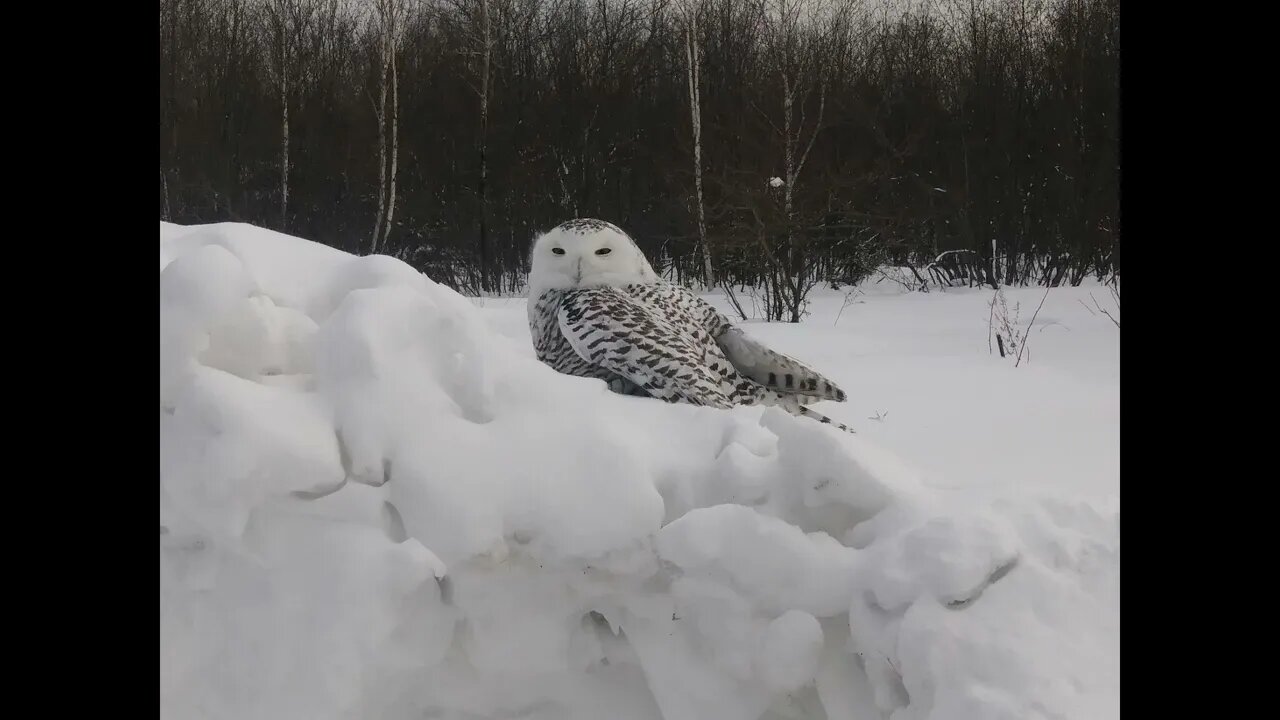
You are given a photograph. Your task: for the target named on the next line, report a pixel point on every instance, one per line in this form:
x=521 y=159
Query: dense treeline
x=961 y=138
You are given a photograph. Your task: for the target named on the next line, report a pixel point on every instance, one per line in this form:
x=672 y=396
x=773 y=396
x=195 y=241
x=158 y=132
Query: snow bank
x=372 y=506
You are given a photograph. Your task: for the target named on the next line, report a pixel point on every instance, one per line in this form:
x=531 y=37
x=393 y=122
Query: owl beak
x=577 y=278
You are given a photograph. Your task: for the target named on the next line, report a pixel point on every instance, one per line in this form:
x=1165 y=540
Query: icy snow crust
x=372 y=506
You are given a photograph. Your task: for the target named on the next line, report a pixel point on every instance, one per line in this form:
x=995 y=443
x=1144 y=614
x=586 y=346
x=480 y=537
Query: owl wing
x=781 y=373
x=635 y=338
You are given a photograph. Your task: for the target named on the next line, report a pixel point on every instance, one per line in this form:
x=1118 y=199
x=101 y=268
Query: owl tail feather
x=794 y=405
x=806 y=412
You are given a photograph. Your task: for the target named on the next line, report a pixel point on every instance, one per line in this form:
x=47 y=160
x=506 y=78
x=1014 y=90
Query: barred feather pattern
x=663 y=341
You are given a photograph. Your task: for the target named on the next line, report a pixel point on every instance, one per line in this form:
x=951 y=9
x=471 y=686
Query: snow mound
x=373 y=506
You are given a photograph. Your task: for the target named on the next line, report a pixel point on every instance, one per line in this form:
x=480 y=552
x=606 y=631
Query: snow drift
x=372 y=506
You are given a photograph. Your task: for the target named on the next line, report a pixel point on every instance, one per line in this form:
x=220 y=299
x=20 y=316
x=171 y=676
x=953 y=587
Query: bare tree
x=958 y=123
x=395 y=148
x=283 y=40
x=387 y=15
x=286 y=22
x=475 y=25
x=803 y=46
x=486 y=55
x=692 y=61
x=167 y=213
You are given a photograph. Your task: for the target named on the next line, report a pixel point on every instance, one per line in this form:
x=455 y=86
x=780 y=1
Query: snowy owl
x=597 y=309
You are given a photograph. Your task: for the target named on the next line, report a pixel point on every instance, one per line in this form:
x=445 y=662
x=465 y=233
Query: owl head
x=586 y=253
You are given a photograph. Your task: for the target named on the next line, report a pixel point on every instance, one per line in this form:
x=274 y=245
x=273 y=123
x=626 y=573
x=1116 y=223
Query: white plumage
x=597 y=309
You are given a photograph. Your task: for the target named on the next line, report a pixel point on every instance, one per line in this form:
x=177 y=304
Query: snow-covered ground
x=375 y=503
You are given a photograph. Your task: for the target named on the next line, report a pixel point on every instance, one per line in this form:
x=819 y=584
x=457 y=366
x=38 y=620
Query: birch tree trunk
x=380 y=114
x=395 y=148
x=482 y=190
x=164 y=188
x=695 y=117
x=388 y=13
x=286 y=20
x=380 y=111
x=786 y=291
x=284 y=134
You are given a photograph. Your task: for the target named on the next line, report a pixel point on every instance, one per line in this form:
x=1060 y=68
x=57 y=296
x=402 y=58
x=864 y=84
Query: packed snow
x=376 y=503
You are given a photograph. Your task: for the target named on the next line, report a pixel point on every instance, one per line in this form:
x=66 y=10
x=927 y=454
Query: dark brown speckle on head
x=586 y=225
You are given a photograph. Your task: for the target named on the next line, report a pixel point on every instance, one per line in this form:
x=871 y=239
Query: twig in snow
x=1022 y=346
x=848 y=300
x=1104 y=310
x=991 y=319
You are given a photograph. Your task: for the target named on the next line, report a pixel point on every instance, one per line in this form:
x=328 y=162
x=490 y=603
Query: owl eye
x=558 y=251
x=604 y=251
